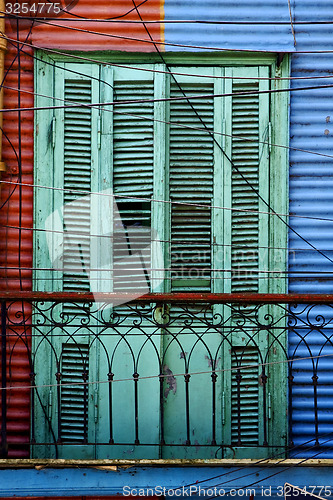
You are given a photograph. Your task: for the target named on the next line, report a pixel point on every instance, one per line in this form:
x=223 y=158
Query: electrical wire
x=312 y=246
x=160 y=376
x=78 y=57
x=18 y=156
x=262 y=461
x=176 y=124
x=161 y=240
x=163 y=44
x=233 y=165
x=82 y=18
x=287 y=468
x=117 y=19
x=189 y=98
x=209 y=372
x=154 y=200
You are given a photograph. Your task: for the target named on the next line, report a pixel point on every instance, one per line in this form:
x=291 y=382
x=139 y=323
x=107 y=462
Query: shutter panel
x=244 y=396
x=77 y=177
x=245 y=156
x=246 y=232
x=191 y=181
x=133 y=164
x=74 y=398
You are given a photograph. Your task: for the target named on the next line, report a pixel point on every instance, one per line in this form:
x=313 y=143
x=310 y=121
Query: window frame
x=278 y=172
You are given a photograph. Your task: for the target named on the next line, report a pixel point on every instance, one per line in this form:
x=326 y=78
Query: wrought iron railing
x=170 y=376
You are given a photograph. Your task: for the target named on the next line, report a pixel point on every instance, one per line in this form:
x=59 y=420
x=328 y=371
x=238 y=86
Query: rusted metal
x=69 y=33
x=209 y=298
x=16 y=245
x=3 y=46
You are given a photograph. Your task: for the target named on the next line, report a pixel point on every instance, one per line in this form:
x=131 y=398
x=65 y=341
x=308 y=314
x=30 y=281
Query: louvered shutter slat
x=191 y=181
x=133 y=165
x=245 y=408
x=77 y=181
x=245 y=157
x=75 y=362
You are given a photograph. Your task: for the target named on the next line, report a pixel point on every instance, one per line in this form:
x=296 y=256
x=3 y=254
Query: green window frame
x=88 y=148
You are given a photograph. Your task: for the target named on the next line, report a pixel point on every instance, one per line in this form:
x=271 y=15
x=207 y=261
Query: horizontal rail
x=183 y=380
x=211 y=298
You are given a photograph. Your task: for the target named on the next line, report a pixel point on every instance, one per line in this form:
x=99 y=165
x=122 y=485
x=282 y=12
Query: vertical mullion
x=159 y=210
x=278 y=242
x=218 y=197
x=218 y=218
x=160 y=213
x=226 y=241
x=43 y=176
x=57 y=237
x=227 y=175
x=106 y=187
x=264 y=220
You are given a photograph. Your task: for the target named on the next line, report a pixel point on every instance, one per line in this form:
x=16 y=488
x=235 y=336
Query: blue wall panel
x=236 y=482
x=272 y=37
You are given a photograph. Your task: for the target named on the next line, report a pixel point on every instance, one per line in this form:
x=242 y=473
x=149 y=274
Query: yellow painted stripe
x=162 y=25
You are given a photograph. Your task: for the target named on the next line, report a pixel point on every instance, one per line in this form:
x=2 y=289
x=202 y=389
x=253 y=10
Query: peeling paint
x=209 y=361
x=170 y=381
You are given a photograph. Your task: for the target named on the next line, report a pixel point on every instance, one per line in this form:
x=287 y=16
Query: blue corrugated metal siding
x=311 y=194
x=311 y=176
x=233 y=36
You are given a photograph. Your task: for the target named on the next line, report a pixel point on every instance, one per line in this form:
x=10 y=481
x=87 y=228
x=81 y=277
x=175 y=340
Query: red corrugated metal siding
x=15 y=245
x=120 y=36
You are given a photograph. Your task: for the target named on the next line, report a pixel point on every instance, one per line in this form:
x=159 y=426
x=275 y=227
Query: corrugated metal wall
x=311 y=118
x=249 y=34
x=16 y=244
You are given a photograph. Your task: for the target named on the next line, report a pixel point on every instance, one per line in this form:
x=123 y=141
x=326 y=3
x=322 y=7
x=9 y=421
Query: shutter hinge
x=53 y=131
x=269 y=406
x=223 y=408
x=50 y=402
x=96 y=405
x=270 y=136
x=99 y=132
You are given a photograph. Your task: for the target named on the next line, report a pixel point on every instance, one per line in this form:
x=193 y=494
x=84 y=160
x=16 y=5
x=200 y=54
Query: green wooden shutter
x=133 y=166
x=246 y=234
x=244 y=396
x=74 y=398
x=77 y=183
x=245 y=157
x=191 y=181
x=73 y=172
x=247 y=128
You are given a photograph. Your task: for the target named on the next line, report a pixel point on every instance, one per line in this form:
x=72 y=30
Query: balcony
x=188 y=376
